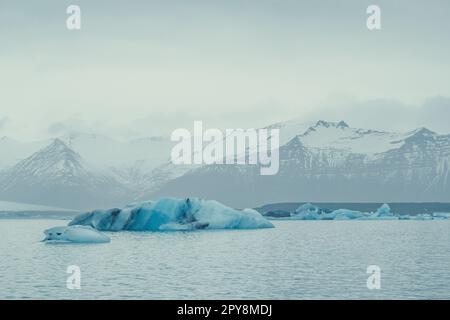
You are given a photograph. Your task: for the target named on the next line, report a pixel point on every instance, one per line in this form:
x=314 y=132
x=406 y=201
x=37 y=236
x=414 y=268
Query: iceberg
x=171 y=214
x=75 y=234
x=309 y=211
x=382 y=213
x=441 y=216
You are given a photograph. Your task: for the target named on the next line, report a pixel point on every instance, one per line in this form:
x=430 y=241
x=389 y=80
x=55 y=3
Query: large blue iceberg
x=170 y=214
x=309 y=211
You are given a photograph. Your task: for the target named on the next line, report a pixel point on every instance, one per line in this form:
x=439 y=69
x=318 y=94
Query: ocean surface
x=295 y=260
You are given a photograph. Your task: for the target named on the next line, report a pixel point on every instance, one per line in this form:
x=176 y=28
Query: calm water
x=296 y=260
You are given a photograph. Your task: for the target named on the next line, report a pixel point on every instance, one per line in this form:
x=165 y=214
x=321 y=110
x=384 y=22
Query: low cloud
x=378 y=114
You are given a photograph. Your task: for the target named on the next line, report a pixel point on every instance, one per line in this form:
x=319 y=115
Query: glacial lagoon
x=294 y=260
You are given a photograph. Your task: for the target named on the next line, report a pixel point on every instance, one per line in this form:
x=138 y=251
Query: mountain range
x=323 y=161
x=331 y=162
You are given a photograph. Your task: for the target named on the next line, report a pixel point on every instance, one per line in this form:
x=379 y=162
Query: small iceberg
x=382 y=213
x=309 y=211
x=312 y=212
x=75 y=234
x=171 y=214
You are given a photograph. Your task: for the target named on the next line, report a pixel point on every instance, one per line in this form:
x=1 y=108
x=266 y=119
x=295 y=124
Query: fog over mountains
x=323 y=161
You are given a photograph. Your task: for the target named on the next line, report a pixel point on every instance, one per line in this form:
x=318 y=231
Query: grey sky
x=143 y=67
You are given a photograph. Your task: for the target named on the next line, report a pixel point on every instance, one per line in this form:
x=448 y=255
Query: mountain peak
x=425 y=131
x=327 y=124
x=59 y=143
x=58 y=149
x=55 y=154
x=57 y=175
x=342 y=124
x=422 y=133
x=295 y=142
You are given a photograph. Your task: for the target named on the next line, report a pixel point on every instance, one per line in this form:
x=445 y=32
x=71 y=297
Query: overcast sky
x=148 y=67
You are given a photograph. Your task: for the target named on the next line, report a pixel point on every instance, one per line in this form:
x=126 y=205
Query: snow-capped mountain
x=128 y=162
x=323 y=161
x=330 y=161
x=58 y=176
x=145 y=153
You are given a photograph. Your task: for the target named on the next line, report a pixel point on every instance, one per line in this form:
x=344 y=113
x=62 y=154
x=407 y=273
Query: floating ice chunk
x=382 y=213
x=384 y=210
x=441 y=216
x=173 y=214
x=309 y=211
x=78 y=234
x=345 y=214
